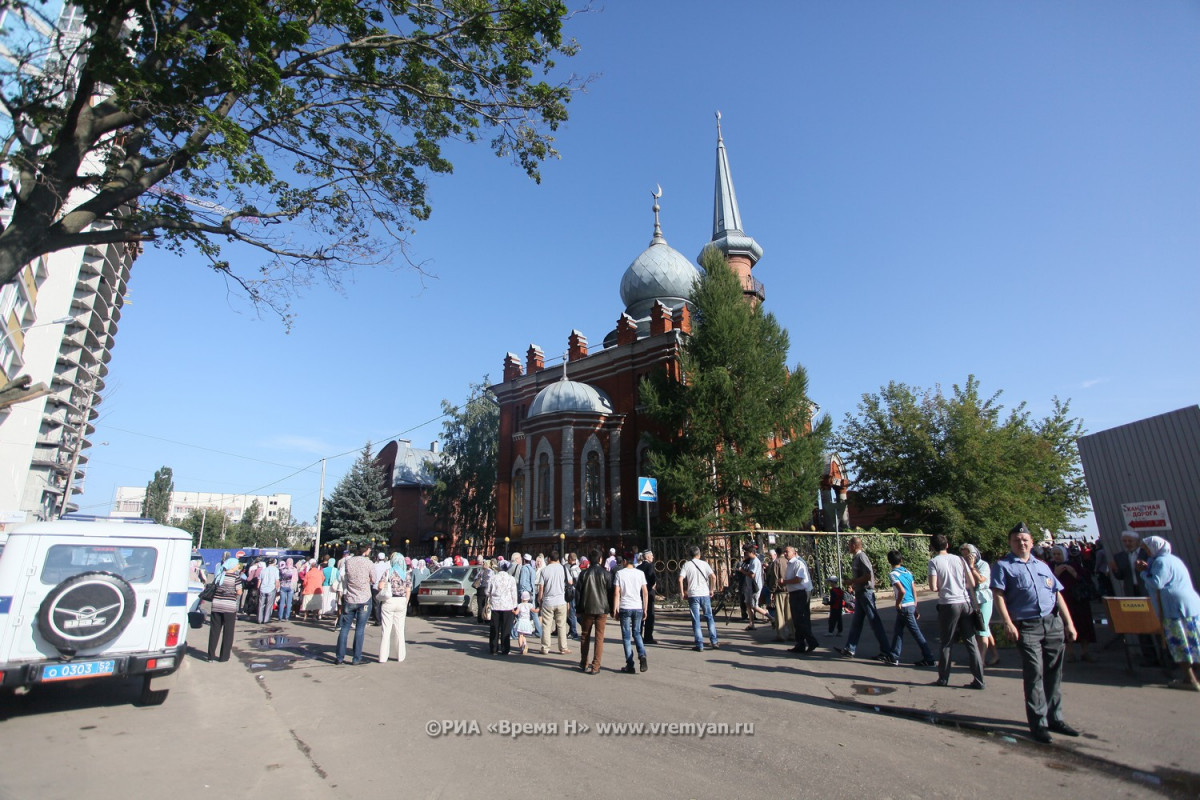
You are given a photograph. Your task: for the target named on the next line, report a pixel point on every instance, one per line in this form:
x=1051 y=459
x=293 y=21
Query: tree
x=737 y=446
x=220 y=120
x=246 y=532
x=157 y=503
x=960 y=466
x=463 y=497
x=212 y=521
x=285 y=531
x=358 y=510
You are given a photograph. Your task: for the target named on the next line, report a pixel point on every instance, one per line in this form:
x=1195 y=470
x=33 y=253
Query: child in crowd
x=524 y=613
x=837 y=601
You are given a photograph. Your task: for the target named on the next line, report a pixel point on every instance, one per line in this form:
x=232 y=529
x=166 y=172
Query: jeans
x=285 y=601
x=864 y=609
x=572 y=620
x=1041 y=644
x=631 y=628
x=359 y=614
x=266 y=604
x=697 y=605
x=906 y=620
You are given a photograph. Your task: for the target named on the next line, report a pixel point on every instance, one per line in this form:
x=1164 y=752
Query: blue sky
x=1005 y=189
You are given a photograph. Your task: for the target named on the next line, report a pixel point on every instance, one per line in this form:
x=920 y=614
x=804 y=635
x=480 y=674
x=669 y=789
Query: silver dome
x=568 y=395
x=659 y=273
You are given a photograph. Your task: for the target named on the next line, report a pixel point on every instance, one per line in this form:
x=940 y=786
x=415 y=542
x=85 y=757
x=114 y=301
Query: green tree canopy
x=220 y=120
x=959 y=465
x=358 y=509
x=214 y=524
x=463 y=498
x=157 y=503
x=736 y=446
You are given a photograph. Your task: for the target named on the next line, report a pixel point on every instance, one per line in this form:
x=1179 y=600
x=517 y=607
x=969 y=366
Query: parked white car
x=89 y=598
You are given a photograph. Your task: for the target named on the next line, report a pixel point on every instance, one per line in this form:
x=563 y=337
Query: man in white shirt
x=798 y=582
x=630 y=598
x=696 y=582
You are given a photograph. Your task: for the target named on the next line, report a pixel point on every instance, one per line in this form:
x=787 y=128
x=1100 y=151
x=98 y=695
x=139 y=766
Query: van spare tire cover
x=86 y=611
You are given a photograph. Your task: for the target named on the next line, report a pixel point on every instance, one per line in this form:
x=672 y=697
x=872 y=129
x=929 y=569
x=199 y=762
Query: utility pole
x=320 y=503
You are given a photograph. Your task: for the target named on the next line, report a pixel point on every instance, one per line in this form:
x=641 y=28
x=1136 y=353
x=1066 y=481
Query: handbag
x=976 y=614
x=385 y=592
x=568 y=586
x=210 y=590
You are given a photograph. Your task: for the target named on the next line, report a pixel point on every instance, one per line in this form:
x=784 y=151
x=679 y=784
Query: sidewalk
x=1131 y=722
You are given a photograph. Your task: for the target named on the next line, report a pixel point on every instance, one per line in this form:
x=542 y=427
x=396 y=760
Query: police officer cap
x=1019 y=528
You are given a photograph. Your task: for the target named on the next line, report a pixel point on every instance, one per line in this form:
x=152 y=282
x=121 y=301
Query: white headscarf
x=1156 y=546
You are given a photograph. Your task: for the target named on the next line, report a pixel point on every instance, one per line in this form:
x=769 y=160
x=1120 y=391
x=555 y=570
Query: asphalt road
x=281 y=720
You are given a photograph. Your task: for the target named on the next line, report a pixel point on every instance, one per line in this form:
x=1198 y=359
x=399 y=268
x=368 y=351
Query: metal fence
x=824 y=552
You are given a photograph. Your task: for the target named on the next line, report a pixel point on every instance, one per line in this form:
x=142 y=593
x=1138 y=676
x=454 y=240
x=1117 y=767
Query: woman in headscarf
x=287 y=588
x=310 y=595
x=330 y=587
x=393 y=611
x=224 y=609
x=983 y=597
x=1170 y=586
x=1077 y=583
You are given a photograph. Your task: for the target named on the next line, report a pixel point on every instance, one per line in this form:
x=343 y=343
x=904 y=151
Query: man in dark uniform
x=1029 y=599
x=647 y=567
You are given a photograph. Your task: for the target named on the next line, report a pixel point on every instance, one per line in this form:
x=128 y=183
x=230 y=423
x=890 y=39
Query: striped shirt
x=225 y=601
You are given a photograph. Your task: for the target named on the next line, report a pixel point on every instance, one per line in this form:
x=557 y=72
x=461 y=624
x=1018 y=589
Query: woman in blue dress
x=1170 y=587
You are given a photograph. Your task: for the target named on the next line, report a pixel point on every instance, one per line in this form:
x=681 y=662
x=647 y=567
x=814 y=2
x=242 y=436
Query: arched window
x=543 y=487
x=591 y=486
x=518 y=497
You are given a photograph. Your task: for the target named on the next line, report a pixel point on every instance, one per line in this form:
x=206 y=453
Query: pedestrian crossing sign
x=648 y=490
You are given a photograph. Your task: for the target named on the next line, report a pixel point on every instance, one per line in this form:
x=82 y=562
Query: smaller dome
x=568 y=395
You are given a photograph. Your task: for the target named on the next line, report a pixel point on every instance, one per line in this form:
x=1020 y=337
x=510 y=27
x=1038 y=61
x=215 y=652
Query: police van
x=86 y=598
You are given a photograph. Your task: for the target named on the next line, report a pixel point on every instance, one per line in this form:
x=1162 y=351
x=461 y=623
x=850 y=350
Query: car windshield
x=134 y=564
x=449 y=574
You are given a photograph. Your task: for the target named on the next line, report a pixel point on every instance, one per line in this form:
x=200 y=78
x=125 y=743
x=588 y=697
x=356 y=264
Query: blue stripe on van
x=176 y=599
x=5 y=604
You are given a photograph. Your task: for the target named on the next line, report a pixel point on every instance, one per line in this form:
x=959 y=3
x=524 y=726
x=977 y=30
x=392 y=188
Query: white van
x=84 y=598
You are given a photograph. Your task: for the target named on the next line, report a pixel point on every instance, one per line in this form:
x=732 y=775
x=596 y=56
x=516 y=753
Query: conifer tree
x=358 y=510
x=735 y=445
x=157 y=503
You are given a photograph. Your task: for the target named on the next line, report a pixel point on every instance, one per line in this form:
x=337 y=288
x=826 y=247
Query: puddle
x=863 y=688
x=275 y=642
x=274 y=663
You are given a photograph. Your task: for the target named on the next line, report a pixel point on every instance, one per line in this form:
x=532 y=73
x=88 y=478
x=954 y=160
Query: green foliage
x=157 y=504
x=735 y=449
x=284 y=531
x=218 y=120
x=358 y=509
x=463 y=498
x=213 y=522
x=960 y=466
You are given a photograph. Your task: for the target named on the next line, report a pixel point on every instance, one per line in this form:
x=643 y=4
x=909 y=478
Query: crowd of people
x=1041 y=593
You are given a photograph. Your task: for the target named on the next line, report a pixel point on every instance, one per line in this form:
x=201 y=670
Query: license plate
x=77 y=669
x=439 y=591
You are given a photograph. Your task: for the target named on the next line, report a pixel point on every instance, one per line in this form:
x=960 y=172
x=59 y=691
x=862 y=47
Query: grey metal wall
x=1152 y=459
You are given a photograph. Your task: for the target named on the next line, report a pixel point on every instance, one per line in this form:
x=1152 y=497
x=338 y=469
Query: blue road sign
x=648 y=490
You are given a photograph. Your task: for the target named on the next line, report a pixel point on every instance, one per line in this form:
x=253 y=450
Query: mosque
x=572 y=439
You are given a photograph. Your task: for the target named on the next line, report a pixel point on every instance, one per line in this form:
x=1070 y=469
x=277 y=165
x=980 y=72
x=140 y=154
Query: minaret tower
x=741 y=251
